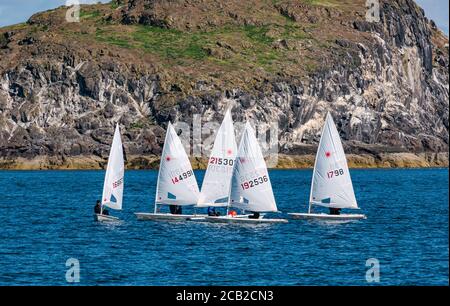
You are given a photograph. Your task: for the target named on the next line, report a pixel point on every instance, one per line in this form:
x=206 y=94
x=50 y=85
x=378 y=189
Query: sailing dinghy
x=216 y=184
x=331 y=184
x=176 y=181
x=113 y=185
x=250 y=188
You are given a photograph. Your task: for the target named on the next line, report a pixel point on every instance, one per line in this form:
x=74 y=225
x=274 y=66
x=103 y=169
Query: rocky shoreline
x=280 y=65
x=383 y=160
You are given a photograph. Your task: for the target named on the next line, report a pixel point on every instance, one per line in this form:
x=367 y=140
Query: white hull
x=242 y=220
x=105 y=218
x=167 y=217
x=341 y=217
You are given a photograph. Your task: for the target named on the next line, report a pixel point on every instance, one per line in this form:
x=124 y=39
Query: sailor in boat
x=212 y=212
x=232 y=213
x=335 y=211
x=98 y=209
x=176 y=209
x=254 y=216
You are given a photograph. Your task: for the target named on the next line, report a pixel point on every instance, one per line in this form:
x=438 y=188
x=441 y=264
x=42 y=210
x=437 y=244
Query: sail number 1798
x=334 y=173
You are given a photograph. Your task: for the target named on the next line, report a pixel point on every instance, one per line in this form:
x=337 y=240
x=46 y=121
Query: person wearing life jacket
x=98 y=209
x=212 y=212
x=232 y=213
x=335 y=211
x=179 y=210
x=254 y=216
x=175 y=209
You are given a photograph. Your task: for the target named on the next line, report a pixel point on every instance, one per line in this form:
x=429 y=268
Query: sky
x=436 y=10
x=17 y=11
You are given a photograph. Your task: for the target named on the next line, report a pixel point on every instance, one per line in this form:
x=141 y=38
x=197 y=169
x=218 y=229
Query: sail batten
x=114 y=177
x=251 y=189
x=331 y=183
x=176 y=184
x=216 y=183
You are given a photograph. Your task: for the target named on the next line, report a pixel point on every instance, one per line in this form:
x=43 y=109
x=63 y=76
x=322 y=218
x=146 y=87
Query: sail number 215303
x=334 y=173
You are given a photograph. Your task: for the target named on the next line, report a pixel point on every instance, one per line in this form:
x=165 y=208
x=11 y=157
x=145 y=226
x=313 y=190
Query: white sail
x=176 y=180
x=113 y=185
x=331 y=183
x=216 y=184
x=251 y=189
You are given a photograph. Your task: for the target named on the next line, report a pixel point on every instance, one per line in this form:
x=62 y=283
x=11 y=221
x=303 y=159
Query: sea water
x=46 y=220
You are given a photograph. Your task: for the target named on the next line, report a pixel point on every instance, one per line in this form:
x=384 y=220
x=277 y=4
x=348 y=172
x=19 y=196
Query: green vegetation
x=314 y=2
x=143 y=123
x=282 y=46
x=89 y=14
x=169 y=43
x=137 y=125
x=320 y=2
x=114 y=4
x=112 y=38
x=234 y=44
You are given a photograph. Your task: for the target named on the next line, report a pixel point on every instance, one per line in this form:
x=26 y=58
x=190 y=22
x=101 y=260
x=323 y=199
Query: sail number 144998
x=182 y=176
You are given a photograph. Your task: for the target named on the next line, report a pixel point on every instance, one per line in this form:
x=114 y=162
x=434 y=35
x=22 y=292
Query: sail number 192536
x=255 y=182
x=334 y=173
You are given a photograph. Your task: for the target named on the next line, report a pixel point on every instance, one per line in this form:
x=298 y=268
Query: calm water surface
x=46 y=218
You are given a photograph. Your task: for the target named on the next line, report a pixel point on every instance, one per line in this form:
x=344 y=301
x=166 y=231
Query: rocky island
x=143 y=63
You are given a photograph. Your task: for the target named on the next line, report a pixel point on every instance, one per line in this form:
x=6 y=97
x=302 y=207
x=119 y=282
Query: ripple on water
x=43 y=227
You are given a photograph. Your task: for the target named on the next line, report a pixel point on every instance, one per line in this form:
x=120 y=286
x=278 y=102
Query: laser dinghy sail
x=176 y=185
x=250 y=190
x=113 y=185
x=331 y=185
x=216 y=184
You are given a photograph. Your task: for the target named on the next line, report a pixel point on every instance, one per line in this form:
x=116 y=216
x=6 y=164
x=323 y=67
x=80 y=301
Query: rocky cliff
x=281 y=64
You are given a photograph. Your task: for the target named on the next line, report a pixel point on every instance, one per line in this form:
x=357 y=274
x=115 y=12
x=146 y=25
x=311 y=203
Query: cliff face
x=144 y=62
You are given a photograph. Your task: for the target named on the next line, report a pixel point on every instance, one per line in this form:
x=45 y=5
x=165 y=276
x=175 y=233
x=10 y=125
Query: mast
x=233 y=171
x=229 y=188
x=160 y=163
x=315 y=163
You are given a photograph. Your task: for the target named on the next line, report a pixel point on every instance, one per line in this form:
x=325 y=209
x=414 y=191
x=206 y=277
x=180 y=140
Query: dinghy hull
x=167 y=217
x=326 y=217
x=243 y=220
x=105 y=218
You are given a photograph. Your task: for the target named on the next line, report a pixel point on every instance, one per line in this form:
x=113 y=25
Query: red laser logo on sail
x=327 y=154
x=168 y=158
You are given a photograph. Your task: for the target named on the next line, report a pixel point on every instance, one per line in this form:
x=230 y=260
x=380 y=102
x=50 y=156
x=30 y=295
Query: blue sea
x=46 y=218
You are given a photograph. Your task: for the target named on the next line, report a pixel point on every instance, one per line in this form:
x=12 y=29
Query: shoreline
x=355 y=161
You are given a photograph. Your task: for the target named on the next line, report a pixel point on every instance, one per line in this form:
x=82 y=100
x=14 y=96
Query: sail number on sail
x=118 y=183
x=334 y=173
x=182 y=176
x=221 y=161
x=255 y=182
